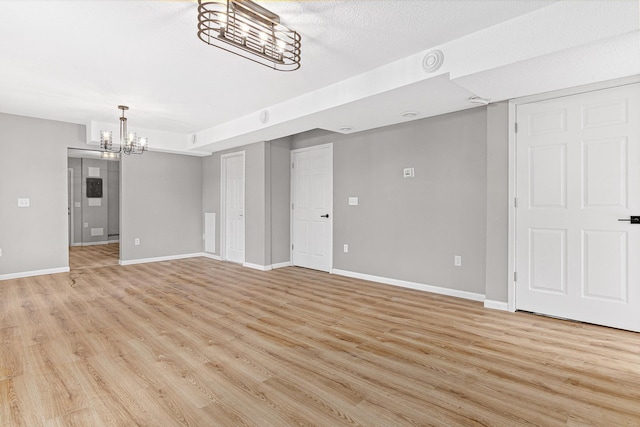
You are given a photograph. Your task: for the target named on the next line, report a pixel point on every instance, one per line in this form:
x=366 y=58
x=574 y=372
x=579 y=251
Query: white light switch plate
x=408 y=173
x=24 y=203
x=136 y=242
x=457 y=261
x=353 y=201
x=346 y=249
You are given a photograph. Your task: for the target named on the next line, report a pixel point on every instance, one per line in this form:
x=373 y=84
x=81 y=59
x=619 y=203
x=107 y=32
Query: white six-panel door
x=578 y=173
x=233 y=207
x=312 y=207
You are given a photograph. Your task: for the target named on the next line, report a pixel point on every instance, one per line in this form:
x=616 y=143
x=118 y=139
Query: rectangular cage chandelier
x=249 y=30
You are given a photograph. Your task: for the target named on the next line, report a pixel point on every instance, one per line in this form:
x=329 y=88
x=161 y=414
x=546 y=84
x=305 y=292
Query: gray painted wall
x=113 y=200
x=33 y=164
x=266 y=199
x=76 y=165
x=95 y=216
x=107 y=215
x=280 y=174
x=410 y=229
x=161 y=204
x=406 y=229
x=497 y=202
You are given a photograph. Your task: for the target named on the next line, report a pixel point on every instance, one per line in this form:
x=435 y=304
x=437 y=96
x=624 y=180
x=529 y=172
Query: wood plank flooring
x=204 y=343
x=93 y=256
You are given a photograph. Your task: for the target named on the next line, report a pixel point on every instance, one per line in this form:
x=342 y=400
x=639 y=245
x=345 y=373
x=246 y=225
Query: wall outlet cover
x=353 y=201
x=346 y=249
x=408 y=173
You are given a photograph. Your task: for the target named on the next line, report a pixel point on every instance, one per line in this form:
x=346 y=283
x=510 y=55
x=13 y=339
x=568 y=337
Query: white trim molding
x=104 y=242
x=412 y=285
x=257 y=266
x=496 y=305
x=162 y=258
x=34 y=273
x=281 y=265
x=212 y=256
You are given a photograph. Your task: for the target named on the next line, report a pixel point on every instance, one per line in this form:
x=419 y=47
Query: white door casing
x=232 y=207
x=70 y=205
x=577 y=174
x=312 y=207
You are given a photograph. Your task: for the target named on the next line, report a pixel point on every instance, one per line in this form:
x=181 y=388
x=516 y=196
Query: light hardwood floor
x=203 y=343
x=94 y=256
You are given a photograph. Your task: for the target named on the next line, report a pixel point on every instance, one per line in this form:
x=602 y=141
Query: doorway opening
x=93 y=208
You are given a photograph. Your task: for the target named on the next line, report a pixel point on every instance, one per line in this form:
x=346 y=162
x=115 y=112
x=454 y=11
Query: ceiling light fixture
x=346 y=129
x=130 y=143
x=249 y=30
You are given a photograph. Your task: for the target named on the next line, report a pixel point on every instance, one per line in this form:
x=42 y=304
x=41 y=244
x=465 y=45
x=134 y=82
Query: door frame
x=71 y=201
x=291 y=194
x=223 y=201
x=513 y=104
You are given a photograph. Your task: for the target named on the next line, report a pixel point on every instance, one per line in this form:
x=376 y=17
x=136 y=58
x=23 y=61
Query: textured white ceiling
x=76 y=60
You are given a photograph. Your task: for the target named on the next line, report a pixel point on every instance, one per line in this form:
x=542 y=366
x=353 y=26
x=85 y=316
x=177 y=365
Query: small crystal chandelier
x=130 y=143
x=249 y=30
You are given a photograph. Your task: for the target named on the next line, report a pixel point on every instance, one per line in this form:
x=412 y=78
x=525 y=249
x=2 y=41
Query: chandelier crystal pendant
x=247 y=29
x=130 y=143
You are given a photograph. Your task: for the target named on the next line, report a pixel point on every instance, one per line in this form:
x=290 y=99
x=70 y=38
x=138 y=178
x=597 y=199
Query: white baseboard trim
x=257 y=266
x=76 y=244
x=34 y=273
x=212 y=256
x=496 y=305
x=281 y=265
x=104 y=242
x=160 y=259
x=412 y=285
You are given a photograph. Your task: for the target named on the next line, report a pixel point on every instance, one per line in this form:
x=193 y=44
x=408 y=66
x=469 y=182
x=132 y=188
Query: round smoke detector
x=264 y=116
x=433 y=60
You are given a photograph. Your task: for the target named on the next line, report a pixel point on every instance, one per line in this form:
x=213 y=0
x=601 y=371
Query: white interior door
x=312 y=207
x=233 y=207
x=578 y=173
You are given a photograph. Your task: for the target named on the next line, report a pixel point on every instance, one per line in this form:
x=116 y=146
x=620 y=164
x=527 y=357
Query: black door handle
x=632 y=219
x=324 y=216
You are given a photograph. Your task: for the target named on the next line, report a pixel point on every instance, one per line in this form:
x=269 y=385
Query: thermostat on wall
x=409 y=173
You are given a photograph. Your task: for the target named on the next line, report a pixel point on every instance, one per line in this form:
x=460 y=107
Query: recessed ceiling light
x=409 y=114
x=346 y=129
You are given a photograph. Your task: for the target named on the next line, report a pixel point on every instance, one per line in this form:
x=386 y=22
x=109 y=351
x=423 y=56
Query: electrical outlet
x=346 y=249
x=353 y=201
x=457 y=261
x=136 y=241
x=86 y=225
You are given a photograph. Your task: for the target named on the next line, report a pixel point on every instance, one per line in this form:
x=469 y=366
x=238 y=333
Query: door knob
x=631 y=219
x=324 y=216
